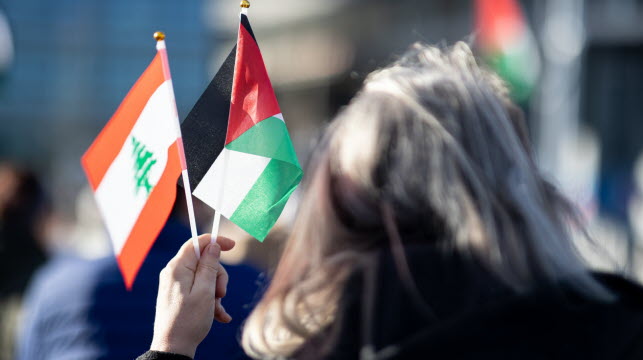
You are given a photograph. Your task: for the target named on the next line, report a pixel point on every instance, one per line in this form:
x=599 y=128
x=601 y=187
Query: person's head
x=23 y=209
x=430 y=151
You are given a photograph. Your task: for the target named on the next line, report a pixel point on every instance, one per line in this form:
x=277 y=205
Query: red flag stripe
x=498 y=22
x=100 y=155
x=253 y=98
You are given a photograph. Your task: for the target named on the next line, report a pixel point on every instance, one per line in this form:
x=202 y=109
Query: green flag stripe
x=267 y=138
x=259 y=210
x=511 y=67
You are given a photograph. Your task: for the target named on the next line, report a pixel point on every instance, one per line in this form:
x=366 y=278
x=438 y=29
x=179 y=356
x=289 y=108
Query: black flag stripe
x=204 y=129
x=246 y=24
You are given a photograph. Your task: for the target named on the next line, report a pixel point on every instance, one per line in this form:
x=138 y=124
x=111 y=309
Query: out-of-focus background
x=574 y=66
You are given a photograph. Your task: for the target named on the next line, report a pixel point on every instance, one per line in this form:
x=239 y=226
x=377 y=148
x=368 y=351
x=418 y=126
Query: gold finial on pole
x=245 y=4
x=159 y=35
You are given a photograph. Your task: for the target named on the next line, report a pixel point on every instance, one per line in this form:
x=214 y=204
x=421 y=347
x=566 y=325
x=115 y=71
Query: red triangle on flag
x=498 y=23
x=253 y=98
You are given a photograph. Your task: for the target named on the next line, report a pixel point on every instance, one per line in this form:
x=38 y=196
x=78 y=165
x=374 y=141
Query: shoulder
x=65 y=274
x=628 y=292
x=433 y=302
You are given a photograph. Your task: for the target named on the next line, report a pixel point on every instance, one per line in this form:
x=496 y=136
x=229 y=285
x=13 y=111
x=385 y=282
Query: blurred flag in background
x=507 y=43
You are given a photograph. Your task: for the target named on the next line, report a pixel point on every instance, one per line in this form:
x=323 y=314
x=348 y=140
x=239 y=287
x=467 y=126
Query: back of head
x=430 y=151
x=24 y=207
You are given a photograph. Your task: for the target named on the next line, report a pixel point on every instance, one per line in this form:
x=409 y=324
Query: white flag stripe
x=117 y=196
x=175 y=116
x=241 y=173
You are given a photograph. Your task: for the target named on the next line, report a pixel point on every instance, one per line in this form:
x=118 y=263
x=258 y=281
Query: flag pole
x=245 y=4
x=219 y=201
x=162 y=51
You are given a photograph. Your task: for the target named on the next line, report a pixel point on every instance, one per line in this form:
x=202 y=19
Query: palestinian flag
x=133 y=166
x=508 y=45
x=240 y=157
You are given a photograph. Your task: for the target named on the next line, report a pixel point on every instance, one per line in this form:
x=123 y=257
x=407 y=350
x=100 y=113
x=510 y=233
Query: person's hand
x=190 y=293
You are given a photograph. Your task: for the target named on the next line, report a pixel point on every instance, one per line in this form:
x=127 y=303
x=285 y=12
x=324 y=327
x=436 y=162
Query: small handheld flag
x=133 y=164
x=238 y=149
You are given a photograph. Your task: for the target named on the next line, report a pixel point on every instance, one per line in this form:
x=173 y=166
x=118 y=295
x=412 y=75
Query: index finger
x=185 y=259
x=186 y=252
x=225 y=243
x=204 y=239
x=187 y=249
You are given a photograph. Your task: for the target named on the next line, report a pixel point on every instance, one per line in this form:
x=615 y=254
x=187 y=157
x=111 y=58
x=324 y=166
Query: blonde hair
x=433 y=145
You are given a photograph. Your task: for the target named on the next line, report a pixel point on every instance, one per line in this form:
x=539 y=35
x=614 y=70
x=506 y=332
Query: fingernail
x=212 y=249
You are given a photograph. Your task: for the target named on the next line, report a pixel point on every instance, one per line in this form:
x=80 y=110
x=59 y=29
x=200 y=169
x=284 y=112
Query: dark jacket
x=461 y=311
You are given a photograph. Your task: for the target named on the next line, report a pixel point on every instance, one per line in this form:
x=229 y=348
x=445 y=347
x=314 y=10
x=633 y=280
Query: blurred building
x=613 y=94
x=74 y=63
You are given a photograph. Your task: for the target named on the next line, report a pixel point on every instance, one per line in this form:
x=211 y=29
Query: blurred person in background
x=78 y=307
x=426 y=232
x=24 y=207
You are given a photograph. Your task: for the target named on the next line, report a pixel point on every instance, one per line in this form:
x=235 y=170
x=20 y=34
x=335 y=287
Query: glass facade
x=76 y=60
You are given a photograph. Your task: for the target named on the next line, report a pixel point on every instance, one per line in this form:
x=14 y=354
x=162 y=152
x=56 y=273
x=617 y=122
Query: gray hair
x=431 y=146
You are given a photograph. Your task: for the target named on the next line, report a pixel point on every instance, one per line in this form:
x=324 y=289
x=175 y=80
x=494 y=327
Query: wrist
x=173 y=346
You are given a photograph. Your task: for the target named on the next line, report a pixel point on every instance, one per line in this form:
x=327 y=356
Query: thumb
x=205 y=279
